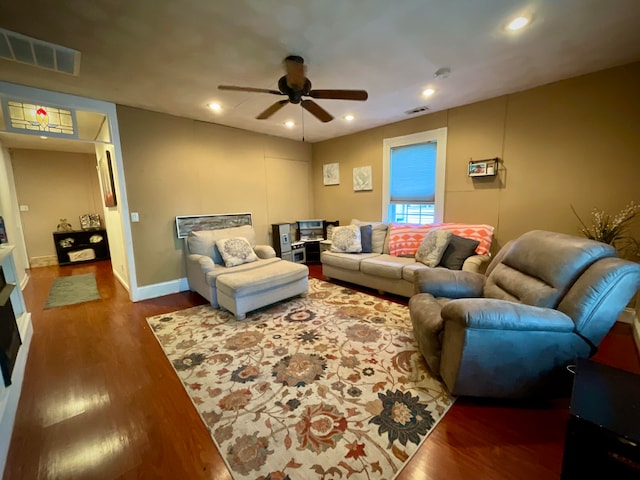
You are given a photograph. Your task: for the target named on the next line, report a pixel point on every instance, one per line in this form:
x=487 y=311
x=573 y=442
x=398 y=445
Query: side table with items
x=603 y=433
x=77 y=246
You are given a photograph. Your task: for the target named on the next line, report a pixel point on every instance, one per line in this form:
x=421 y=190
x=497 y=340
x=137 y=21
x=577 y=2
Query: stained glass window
x=40 y=118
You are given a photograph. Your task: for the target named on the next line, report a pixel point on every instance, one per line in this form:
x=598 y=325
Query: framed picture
x=331 y=173
x=106 y=179
x=477 y=169
x=362 y=179
x=189 y=223
x=483 y=168
x=90 y=221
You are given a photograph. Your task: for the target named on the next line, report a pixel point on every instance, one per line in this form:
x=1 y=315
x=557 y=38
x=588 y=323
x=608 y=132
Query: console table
x=69 y=244
x=603 y=434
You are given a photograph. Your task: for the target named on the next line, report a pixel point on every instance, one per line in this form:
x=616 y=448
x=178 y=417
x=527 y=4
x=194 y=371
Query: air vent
x=416 y=110
x=23 y=49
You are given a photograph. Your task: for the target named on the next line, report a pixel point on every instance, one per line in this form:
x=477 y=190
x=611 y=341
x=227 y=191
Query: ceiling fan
x=296 y=85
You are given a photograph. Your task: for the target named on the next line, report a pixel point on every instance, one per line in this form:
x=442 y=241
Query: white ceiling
x=169 y=56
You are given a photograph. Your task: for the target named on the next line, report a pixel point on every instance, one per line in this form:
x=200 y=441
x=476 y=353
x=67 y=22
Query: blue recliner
x=546 y=299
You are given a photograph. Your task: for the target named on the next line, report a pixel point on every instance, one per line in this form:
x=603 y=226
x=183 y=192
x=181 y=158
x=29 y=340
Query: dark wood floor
x=100 y=400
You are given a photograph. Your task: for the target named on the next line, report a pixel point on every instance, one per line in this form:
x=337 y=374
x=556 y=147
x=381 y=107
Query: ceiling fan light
x=517 y=23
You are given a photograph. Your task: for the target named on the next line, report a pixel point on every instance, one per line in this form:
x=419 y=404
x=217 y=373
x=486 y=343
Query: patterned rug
x=326 y=386
x=71 y=290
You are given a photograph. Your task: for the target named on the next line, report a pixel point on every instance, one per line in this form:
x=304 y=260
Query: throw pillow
x=378 y=234
x=236 y=251
x=404 y=239
x=330 y=231
x=366 y=237
x=346 y=239
x=432 y=247
x=458 y=250
x=481 y=232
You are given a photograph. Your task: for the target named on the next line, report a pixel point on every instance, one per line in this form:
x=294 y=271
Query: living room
x=571 y=142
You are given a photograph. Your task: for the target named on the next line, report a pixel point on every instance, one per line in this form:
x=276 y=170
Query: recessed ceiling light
x=427 y=92
x=289 y=124
x=518 y=23
x=215 y=107
x=348 y=118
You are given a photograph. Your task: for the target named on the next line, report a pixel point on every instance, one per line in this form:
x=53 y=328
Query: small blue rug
x=72 y=290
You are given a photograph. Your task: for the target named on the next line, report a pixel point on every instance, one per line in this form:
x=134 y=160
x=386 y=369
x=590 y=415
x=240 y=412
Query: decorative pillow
x=236 y=251
x=203 y=242
x=458 y=250
x=482 y=233
x=346 y=239
x=330 y=231
x=366 y=232
x=432 y=247
x=378 y=234
x=404 y=239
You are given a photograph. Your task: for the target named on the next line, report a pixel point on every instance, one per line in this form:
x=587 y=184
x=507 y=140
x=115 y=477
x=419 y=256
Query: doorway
x=118 y=230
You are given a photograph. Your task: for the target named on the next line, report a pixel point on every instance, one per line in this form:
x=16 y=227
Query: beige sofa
x=380 y=270
x=246 y=287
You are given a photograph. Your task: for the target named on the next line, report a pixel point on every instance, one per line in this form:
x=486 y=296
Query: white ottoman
x=241 y=292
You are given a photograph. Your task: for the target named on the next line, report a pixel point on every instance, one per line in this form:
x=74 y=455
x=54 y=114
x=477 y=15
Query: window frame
x=439 y=136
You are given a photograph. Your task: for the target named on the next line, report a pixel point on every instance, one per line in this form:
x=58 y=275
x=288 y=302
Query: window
x=413 y=177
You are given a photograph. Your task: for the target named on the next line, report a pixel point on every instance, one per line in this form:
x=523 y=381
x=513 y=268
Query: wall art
x=331 y=173
x=362 y=178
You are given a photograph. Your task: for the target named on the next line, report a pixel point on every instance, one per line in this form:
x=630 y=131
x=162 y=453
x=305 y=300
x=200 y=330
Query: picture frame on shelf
x=90 y=221
x=483 y=168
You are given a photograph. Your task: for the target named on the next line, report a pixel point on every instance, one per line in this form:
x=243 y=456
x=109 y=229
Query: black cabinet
x=81 y=246
x=603 y=434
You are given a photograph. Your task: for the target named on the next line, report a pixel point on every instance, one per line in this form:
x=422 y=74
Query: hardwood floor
x=101 y=401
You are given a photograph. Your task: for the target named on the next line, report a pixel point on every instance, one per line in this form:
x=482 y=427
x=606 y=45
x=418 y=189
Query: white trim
x=9 y=405
x=109 y=109
x=161 y=289
x=439 y=135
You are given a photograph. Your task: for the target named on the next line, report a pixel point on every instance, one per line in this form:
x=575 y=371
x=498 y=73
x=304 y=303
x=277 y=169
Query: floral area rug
x=326 y=386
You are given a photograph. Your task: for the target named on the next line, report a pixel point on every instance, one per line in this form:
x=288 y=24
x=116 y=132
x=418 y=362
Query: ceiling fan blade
x=272 y=109
x=248 y=89
x=316 y=110
x=340 y=94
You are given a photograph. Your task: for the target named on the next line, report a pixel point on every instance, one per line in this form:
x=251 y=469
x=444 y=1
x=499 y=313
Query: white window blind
x=413 y=173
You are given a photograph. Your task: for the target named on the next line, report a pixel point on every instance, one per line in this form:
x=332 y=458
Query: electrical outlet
x=135 y=217
x=24 y=208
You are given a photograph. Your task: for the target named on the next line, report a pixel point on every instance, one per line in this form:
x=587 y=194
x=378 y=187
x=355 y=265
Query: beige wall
x=176 y=166
x=53 y=185
x=572 y=142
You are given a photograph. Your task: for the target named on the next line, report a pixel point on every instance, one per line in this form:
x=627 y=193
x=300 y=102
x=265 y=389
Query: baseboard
x=628 y=315
x=11 y=394
x=122 y=280
x=44 y=261
x=161 y=289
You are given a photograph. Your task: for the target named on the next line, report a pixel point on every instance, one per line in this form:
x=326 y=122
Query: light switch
x=24 y=208
x=135 y=217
